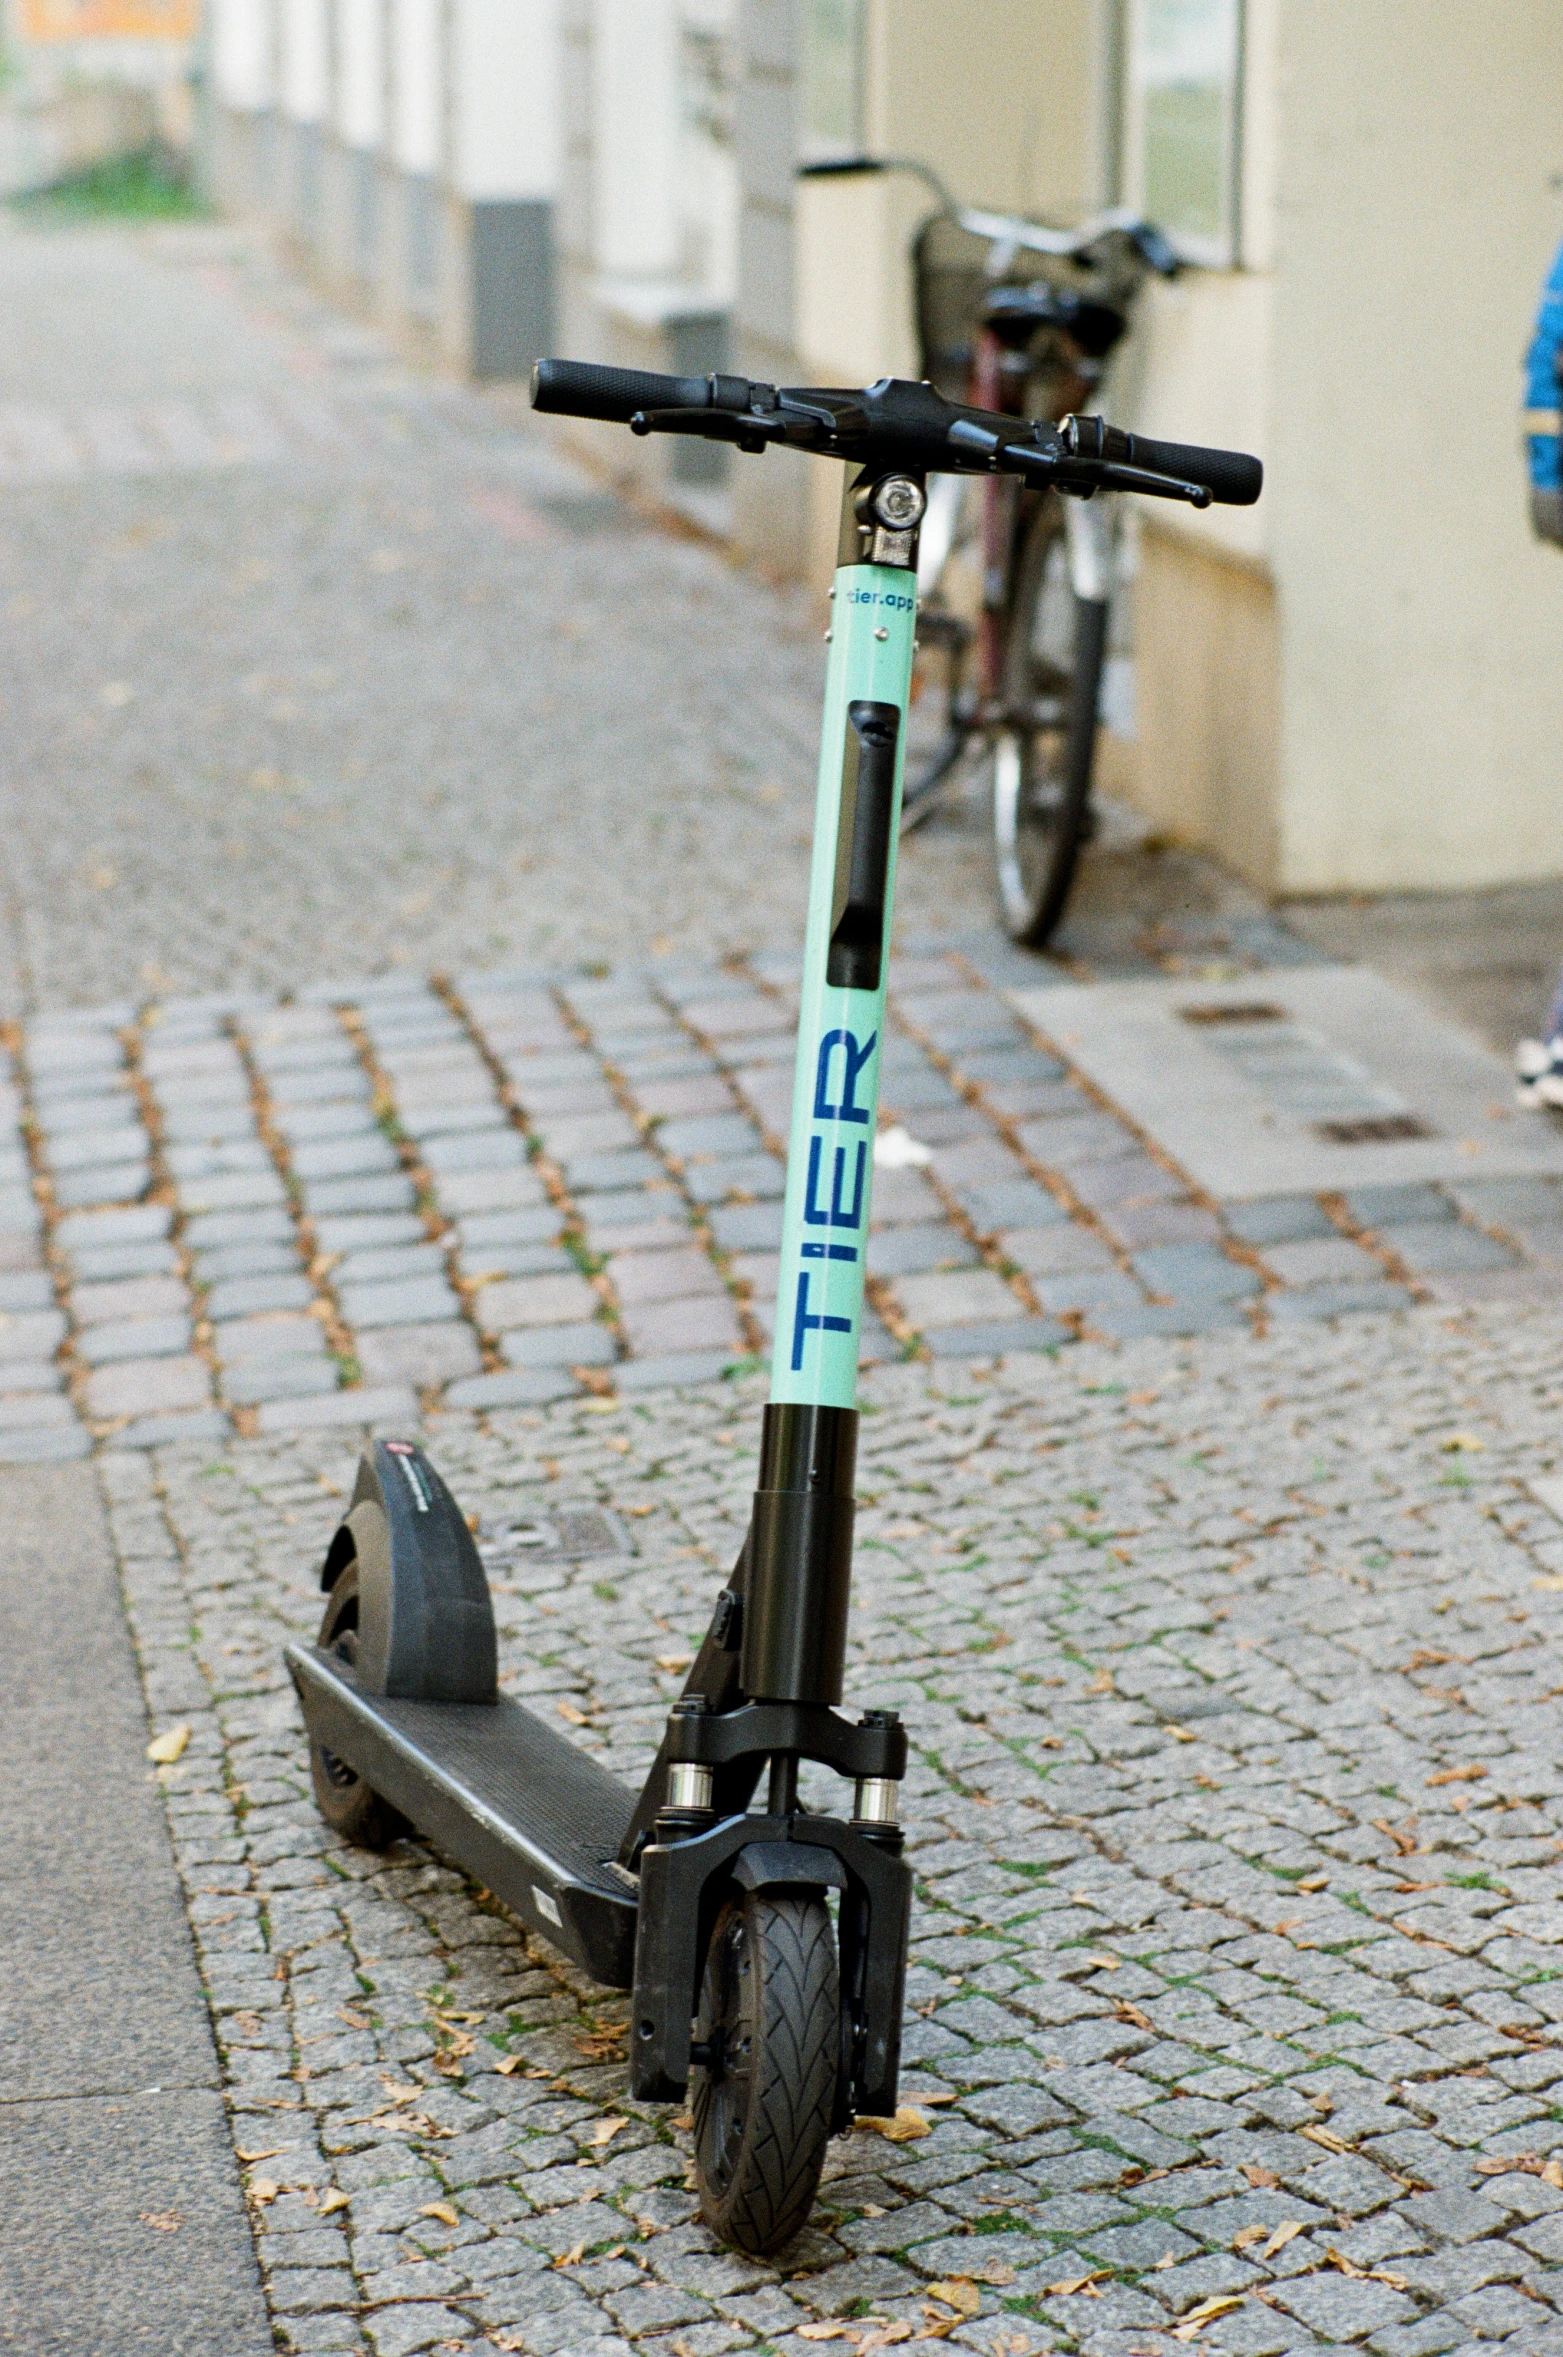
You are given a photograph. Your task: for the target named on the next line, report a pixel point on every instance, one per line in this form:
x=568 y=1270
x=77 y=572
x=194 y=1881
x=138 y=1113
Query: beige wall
x=1399 y=218
x=1422 y=629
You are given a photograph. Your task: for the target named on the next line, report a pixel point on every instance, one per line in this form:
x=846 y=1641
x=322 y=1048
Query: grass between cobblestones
x=1229 y=1667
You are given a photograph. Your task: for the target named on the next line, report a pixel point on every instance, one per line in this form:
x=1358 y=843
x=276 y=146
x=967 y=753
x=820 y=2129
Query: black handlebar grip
x=576 y=388
x=1230 y=476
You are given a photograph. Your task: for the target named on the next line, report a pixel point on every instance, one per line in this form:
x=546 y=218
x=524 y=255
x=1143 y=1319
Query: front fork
x=765 y=1683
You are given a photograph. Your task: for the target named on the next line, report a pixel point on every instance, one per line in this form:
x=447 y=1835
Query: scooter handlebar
x=1231 y=477
x=578 y=388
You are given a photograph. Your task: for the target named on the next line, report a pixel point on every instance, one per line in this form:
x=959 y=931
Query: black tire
x=1044 y=747
x=770 y=2007
x=349 y=1806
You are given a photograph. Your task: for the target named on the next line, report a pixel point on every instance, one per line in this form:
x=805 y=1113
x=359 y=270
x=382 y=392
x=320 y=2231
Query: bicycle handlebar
x=898 y=426
x=1010 y=232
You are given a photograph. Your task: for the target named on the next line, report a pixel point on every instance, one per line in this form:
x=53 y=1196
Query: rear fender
x=425 y=1621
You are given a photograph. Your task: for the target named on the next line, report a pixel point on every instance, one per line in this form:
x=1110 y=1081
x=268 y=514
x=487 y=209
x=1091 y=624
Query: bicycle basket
x=950 y=268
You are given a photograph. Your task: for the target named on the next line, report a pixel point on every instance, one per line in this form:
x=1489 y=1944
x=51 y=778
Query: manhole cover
x=569 y=1535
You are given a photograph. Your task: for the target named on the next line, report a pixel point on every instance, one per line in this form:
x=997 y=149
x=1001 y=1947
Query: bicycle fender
x=1090 y=550
x=425 y=1621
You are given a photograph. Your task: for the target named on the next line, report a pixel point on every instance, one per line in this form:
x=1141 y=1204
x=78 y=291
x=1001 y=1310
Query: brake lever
x=751 y=433
x=1055 y=468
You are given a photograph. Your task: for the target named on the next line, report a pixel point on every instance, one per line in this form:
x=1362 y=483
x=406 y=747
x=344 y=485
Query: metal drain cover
x=570 y=1534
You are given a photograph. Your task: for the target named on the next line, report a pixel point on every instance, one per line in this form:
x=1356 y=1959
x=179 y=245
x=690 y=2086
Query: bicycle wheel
x=764 y=2092
x=1044 y=742
x=349 y=1806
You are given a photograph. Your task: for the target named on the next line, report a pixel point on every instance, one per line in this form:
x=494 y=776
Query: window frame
x=1224 y=251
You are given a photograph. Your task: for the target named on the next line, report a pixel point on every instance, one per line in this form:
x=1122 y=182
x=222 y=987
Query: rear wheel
x=1045 y=741
x=765 y=2090
x=349 y=1806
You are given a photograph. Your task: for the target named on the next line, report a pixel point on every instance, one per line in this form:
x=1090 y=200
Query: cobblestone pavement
x=1230 y=1672
x=313 y=665
x=254 y=1215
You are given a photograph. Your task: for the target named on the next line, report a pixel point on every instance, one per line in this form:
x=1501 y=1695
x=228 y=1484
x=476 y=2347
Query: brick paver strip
x=1233 y=1809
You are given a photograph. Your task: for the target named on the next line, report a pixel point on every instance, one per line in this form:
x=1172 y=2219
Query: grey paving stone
x=1278 y=1219
x=1440 y=1247
x=1337 y=1301
x=956 y=1297
x=30 y=1375
x=363 y=1154
x=485 y=1230
x=747 y=1227
x=744 y=1177
x=114 y=1264
x=392 y=1407
x=51 y=1445
x=583 y=1345
x=83 y=1150
x=1321 y=1260
x=1018 y=1203
x=147 y=1387
x=386 y=1262
x=560 y=1300
x=517 y=1387
x=211 y=1230
x=159 y=1432
x=987 y=1339
x=1195 y=1271
x=31 y=1333
x=407 y=1301
x=367 y=1231
x=296 y=1377
x=237 y=1297
x=34 y=1411
x=119 y=1183
x=419 y=1354
x=896 y=1252
x=133 y=1338
x=678 y=1368
x=1378 y=1207
x=328 y=1198
x=485 y=1150
x=477 y=1191
x=706 y=1322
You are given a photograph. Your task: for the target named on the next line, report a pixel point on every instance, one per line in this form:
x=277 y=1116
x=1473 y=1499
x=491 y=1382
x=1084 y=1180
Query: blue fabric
x=1541 y=379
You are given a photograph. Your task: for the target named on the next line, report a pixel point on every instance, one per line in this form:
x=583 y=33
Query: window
x=1183 y=112
x=832 y=122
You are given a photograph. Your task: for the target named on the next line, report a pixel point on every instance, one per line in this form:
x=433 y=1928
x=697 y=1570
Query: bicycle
x=1022 y=319
x=780 y=2019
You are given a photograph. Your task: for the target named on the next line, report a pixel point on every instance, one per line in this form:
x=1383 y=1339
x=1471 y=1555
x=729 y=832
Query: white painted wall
x=306 y=67
x=506 y=102
x=242 y=53
x=360 y=30
x=635 y=138
x=417 y=86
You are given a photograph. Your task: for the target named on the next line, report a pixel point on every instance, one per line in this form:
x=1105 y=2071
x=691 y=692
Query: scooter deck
x=522 y=1808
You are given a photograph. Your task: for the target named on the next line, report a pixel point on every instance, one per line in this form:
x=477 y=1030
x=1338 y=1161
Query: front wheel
x=349 y=1806
x=764 y=2091
x=1044 y=744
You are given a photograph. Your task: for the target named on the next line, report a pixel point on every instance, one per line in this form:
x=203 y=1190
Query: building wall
x=1421 y=627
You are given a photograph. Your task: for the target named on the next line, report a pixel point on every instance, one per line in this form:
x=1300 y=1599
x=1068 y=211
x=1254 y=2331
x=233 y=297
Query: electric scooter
x=781 y=2022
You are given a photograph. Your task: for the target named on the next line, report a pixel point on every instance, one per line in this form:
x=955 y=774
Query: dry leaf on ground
x=905 y=2128
x=1471 y=1773
x=164 y=1749
x=606 y=2130
x=335 y=2200
x=1285 y=2233
x=572 y=2257
x=446 y=2212
x=1327 y=2137
x=509 y=2064
x=958 y=2292
x=267 y=2152
x=1196 y=2320
x=1258 y=2175
x=1073 y=2284
x=1344 y=2266
x=164 y=2221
